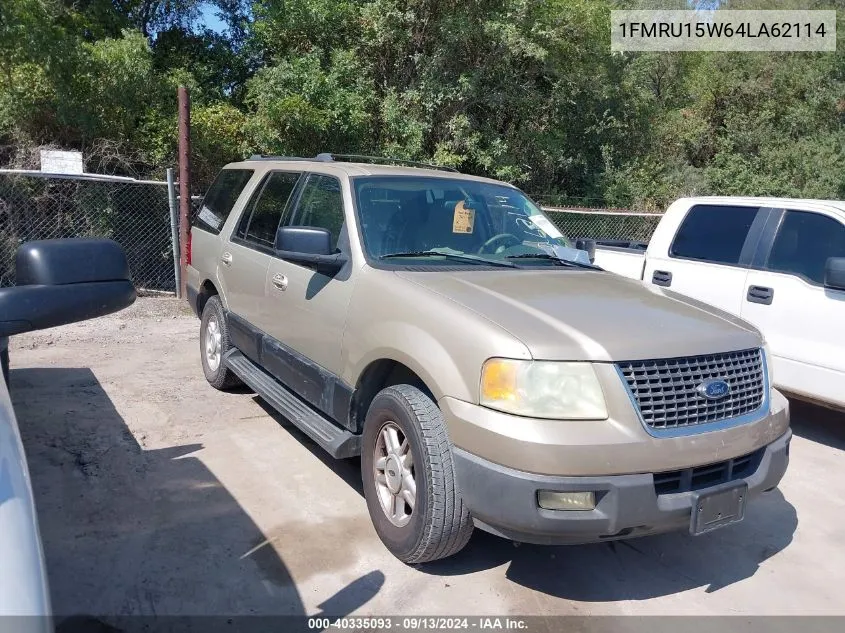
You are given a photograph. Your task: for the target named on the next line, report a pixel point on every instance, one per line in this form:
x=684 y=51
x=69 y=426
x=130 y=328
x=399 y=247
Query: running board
x=339 y=442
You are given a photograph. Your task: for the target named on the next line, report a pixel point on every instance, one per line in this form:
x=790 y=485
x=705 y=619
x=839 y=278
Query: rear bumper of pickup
x=504 y=501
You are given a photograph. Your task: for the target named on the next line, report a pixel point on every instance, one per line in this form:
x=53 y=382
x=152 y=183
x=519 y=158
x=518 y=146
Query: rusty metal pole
x=184 y=178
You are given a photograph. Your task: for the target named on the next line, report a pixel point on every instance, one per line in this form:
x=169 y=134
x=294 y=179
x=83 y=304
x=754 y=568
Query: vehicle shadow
x=349 y=470
x=133 y=531
x=817 y=423
x=638 y=569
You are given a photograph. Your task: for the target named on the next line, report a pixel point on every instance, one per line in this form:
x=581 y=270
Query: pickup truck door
x=709 y=254
x=306 y=309
x=786 y=299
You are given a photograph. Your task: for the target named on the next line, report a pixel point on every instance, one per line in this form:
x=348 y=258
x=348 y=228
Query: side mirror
x=304 y=239
x=64 y=281
x=309 y=246
x=834 y=273
x=587 y=245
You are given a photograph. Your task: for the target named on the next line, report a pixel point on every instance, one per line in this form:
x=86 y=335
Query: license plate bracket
x=717 y=508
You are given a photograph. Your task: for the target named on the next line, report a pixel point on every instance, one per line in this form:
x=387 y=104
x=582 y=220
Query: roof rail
x=326 y=157
x=378 y=160
x=270 y=157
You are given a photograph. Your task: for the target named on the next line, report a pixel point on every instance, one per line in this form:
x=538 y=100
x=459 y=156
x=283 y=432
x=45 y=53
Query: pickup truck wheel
x=409 y=481
x=214 y=343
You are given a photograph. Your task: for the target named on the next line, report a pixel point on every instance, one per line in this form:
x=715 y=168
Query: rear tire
x=409 y=479
x=214 y=343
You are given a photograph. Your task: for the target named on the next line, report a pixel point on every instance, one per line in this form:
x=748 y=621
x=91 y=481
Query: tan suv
x=440 y=326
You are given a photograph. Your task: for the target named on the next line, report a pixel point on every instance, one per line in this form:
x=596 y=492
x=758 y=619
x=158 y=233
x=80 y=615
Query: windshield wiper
x=563 y=262
x=462 y=258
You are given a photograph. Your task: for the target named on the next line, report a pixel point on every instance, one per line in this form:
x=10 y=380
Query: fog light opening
x=552 y=500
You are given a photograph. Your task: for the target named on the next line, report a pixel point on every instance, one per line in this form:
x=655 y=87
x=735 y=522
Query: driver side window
x=804 y=242
x=320 y=205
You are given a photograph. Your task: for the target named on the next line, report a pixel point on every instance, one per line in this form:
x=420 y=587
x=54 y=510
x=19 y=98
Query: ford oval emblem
x=714 y=389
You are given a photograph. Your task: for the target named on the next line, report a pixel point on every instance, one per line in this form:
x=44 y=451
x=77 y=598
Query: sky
x=209 y=19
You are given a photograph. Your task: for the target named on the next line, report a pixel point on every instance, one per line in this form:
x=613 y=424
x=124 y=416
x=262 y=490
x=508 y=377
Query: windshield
x=455 y=221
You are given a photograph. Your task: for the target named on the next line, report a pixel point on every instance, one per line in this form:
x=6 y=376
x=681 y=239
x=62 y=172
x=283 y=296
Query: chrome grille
x=665 y=390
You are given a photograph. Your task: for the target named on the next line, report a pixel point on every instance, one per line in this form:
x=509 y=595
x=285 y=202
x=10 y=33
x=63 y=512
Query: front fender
x=443 y=342
x=421 y=353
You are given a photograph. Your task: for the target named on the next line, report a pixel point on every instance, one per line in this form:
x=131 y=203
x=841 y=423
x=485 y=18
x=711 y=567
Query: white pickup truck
x=777 y=263
x=58 y=282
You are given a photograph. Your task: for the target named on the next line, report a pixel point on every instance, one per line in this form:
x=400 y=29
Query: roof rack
x=271 y=157
x=378 y=160
x=326 y=157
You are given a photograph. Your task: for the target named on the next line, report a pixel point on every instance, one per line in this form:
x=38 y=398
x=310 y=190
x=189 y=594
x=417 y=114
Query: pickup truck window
x=401 y=216
x=713 y=233
x=268 y=206
x=220 y=198
x=320 y=205
x=804 y=242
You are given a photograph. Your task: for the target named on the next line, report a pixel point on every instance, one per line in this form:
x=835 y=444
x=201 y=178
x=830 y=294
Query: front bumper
x=504 y=500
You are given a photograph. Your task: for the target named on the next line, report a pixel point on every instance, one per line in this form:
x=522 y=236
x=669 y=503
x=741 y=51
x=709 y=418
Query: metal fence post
x=184 y=176
x=174 y=231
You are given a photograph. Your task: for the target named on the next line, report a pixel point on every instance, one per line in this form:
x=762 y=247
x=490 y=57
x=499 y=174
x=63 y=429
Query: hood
x=565 y=314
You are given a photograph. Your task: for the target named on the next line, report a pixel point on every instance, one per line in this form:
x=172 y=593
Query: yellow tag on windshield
x=464 y=219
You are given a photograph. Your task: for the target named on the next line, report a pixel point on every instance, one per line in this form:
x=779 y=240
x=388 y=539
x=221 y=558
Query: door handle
x=226 y=258
x=661 y=278
x=760 y=294
x=280 y=281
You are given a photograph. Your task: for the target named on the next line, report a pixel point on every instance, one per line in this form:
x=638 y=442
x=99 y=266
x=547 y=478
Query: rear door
x=246 y=252
x=221 y=199
x=709 y=256
x=786 y=299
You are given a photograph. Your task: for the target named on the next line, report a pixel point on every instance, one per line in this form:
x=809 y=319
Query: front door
x=306 y=309
x=800 y=318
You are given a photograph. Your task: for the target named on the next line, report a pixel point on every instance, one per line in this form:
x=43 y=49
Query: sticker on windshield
x=544 y=223
x=207 y=216
x=464 y=219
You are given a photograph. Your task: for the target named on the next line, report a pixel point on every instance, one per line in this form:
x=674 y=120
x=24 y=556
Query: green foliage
x=218 y=137
x=303 y=106
x=523 y=90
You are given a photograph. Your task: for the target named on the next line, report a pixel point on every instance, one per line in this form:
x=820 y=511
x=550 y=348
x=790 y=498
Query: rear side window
x=804 y=242
x=220 y=198
x=259 y=227
x=713 y=233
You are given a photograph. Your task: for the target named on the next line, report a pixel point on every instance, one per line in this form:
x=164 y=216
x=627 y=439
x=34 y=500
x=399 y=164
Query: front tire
x=409 y=478
x=214 y=343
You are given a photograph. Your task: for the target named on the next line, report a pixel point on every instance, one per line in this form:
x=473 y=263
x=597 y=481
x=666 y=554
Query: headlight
x=542 y=389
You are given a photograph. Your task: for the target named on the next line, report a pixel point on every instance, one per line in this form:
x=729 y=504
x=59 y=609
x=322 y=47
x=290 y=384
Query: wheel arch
x=380 y=374
x=207 y=290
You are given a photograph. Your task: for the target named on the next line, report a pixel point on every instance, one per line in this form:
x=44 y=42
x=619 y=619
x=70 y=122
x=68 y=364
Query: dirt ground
x=157 y=494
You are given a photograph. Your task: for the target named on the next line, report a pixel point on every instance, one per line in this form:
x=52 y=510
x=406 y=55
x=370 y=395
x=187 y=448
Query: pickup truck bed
x=621 y=257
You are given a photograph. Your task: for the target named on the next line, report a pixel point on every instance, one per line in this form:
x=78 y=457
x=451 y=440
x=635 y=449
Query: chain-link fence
x=136 y=214
x=604 y=224
x=133 y=213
